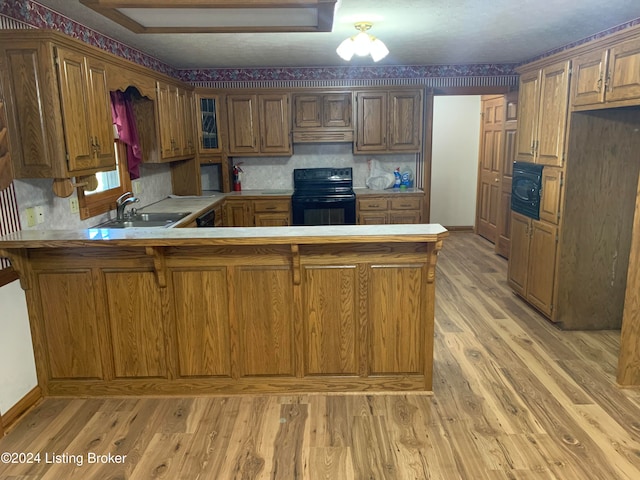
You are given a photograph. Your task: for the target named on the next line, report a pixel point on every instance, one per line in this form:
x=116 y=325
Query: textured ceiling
x=417 y=32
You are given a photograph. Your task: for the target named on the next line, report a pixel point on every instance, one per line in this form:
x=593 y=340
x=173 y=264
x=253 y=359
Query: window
x=111 y=185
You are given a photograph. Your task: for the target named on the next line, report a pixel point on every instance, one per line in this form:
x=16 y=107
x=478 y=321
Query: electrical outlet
x=73 y=205
x=39 y=211
x=31 y=217
x=137 y=188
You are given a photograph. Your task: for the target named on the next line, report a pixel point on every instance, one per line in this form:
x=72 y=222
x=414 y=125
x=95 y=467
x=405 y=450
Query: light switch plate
x=31 y=217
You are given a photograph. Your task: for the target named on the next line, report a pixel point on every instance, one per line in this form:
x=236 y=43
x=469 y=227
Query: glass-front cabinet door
x=208 y=130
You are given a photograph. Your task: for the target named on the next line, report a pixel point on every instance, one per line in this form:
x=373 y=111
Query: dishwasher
x=207 y=219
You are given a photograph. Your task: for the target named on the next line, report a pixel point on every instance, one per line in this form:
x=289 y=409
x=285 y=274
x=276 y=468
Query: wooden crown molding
x=110 y=9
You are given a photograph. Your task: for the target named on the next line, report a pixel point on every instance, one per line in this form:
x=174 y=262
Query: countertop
x=301 y=235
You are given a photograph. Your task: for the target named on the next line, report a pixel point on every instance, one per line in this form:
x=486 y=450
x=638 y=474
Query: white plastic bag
x=378 y=178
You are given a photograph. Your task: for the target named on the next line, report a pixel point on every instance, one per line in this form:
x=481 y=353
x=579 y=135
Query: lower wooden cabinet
x=269 y=212
x=390 y=208
x=233 y=318
x=532 y=261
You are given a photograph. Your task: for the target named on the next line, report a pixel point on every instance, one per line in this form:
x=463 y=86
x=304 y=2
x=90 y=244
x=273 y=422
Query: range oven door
x=323 y=210
x=526 y=188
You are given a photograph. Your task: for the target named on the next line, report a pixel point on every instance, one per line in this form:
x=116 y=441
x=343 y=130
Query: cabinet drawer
x=271 y=205
x=405 y=203
x=375 y=203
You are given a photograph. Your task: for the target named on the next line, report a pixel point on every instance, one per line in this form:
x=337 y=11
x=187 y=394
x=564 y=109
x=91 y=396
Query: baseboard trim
x=460 y=228
x=25 y=404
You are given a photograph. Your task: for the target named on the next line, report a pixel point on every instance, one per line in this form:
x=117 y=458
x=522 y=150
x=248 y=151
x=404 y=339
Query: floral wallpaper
x=39 y=16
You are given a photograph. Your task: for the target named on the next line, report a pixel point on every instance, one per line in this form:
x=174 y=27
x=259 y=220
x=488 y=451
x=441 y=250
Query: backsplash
x=155 y=184
x=277 y=172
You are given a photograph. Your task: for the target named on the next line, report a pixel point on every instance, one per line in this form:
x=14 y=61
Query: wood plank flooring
x=514 y=398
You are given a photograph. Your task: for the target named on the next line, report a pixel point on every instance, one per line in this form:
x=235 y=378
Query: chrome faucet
x=122 y=202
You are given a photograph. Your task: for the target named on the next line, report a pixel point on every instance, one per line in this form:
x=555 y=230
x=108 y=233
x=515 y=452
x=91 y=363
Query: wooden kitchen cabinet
x=238 y=212
x=58 y=105
x=322 y=117
x=272 y=213
x=208 y=119
x=175 y=124
x=268 y=212
x=259 y=124
x=532 y=261
x=607 y=77
x=390 y=208
x=388 y=121
x=542 y=121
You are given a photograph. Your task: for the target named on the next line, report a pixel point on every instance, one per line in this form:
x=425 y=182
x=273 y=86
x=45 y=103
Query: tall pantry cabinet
x=572 y=263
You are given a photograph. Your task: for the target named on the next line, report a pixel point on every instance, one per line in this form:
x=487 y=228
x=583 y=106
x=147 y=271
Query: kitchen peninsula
x=230 y=310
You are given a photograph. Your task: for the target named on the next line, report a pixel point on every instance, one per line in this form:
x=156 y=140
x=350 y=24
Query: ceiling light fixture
x=362 y=44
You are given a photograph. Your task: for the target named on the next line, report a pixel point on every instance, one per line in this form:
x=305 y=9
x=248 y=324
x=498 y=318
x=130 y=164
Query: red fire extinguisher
x=237 y=181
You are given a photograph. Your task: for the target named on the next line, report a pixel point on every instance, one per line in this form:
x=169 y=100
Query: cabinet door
x=74 y=97
x=186 y=111
x=99 y=109
x=624 y=71
x=528 y=96
x=308 y=111
x=372 y=218
x=552 y=118
x=542 y=263
x=37 y=141
x=400 y=216
x=237 y=213
x=208 y=115
x=588 y=82
x=243 y=124
x=275 y=129
x=519 y=252
x=371 y=120
x=336 y=110
x=271 y=219
x=168 y=119
x=550 y=195
x=405 y=120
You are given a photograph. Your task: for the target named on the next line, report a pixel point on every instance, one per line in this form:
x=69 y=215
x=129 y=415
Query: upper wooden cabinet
x=259 y=124
x=608 y=77
x=208 y=108
x=86 y=111
x=175 y=122
x=58 y=105
x=542 y=122
x=322 y=117
x=388 y=121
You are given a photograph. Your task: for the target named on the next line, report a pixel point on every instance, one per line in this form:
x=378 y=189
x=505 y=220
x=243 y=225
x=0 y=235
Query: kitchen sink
x=145 y=220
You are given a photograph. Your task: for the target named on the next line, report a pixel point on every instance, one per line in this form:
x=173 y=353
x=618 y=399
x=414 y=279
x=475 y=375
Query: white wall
x=17 y=365
x=454 y=168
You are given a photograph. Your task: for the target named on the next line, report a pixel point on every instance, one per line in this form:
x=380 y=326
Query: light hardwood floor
x=514 y=398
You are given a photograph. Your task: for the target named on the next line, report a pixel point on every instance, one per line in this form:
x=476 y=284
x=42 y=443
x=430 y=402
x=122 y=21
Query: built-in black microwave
x=526 y=188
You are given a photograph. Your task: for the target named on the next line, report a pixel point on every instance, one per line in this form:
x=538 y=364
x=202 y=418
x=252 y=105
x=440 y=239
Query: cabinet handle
x=599 y=84
x=98 y=145
x=607 y=83
x=375 y=205
x=406 y=205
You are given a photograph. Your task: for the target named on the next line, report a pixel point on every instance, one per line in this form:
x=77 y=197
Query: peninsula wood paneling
x=68 y=314
x=331 y=322
x=263 y=304
x=394 y=313
x=136 y=319
x=202 y=322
